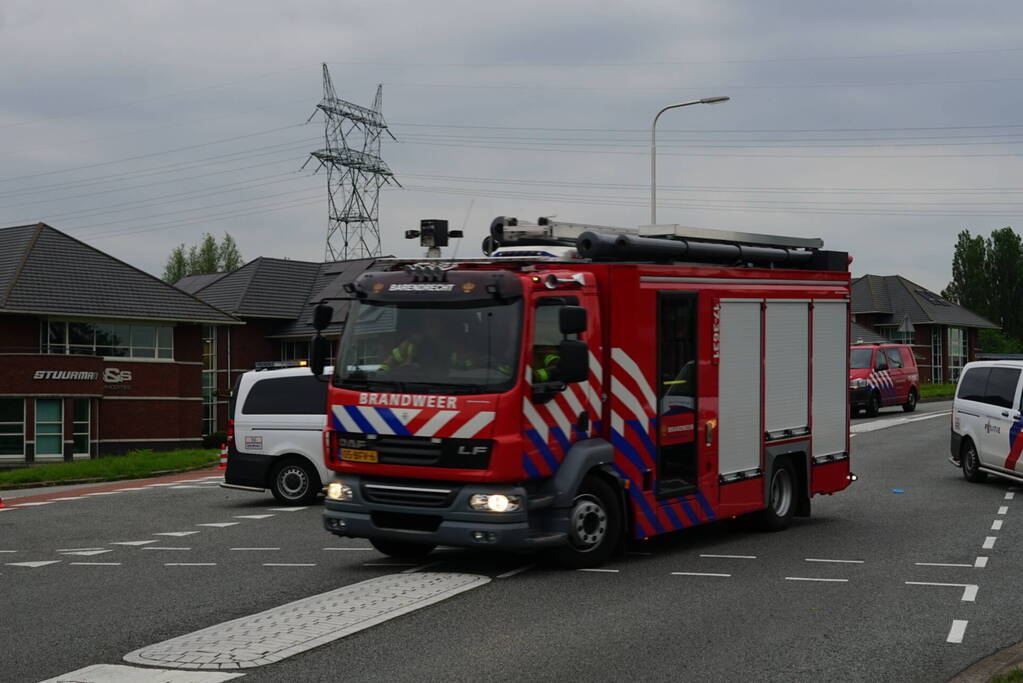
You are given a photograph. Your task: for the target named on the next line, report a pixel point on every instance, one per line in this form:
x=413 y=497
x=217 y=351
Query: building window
x=81 y=429
x=895 y=335
x=209 y=379
x=49 y=428
x=294 y=350
x=937 y=362
x=956 y=352
x=12 y=428
x=108 y=339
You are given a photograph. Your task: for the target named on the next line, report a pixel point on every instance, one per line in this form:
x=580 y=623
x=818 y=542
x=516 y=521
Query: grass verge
x=1011 y=676
x=937 y=390
x=134 y=465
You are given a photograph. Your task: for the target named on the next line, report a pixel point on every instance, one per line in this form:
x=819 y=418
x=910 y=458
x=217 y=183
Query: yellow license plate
x=356 y=455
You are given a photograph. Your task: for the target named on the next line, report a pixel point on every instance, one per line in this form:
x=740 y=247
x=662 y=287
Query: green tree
x=177 y=265
x=970 y=286
x=1005 y=280
x=205 y=257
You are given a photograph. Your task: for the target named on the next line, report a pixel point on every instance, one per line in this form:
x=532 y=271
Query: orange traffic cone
x=223 y=457
x=2 y=503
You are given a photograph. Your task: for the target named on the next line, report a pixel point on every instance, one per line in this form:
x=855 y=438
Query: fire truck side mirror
x=572 y=320
x=318 y=351
x=574 y=362
x=321 y=316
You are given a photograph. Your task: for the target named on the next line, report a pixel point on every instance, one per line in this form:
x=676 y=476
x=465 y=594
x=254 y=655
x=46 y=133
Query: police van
x=987 y=422
x=275 y=434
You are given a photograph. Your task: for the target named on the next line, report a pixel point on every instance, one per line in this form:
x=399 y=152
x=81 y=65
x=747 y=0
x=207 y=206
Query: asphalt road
x=848 y=594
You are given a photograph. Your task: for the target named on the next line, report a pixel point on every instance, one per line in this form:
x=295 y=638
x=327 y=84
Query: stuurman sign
x=65 y=374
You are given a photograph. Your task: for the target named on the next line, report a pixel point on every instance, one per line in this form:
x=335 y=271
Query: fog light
x=338 y=490
x=484 y=537
x=495 y=502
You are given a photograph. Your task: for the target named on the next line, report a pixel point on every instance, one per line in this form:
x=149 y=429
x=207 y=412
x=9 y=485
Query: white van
x=987 y=422
x=275 y=436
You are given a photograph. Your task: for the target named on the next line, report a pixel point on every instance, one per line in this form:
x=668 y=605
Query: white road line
x=732 y=557
x=189 y=564
x=153 y=547
x=287 y=509
x=254 y=548
x=1003 y=509
x=132 y=542
x=958 y=630
x=969 y=589
x=289 y=564
x=252 y=516
x=176 y=533
x=940 y=564
x=699 y=574
x=810 y=578
x=33 y=565
x=88 y=553
x=980 y=563
x=135 y=488
x=422 y=567
x=75 y=550
x=821 y=559
x=348 y=548
x=119 y=673
x=148 y=486
x=8 y=551
x=598 y=569
x=70 y=498
x=996 y=525
x=220 y=525
x=102 y=493
x=1009 y=495
x=989 y=542
x=27 y=505
x=95 y=564
x=517 y=570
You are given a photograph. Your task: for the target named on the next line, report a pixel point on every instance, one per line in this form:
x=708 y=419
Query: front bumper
x=859 y=398
x=454 y=523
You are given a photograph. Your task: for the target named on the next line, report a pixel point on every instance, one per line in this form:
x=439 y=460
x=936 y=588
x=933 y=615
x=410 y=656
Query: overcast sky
x=884 y=128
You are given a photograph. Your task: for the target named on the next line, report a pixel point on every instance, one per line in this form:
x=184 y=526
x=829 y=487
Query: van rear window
x=302 y=395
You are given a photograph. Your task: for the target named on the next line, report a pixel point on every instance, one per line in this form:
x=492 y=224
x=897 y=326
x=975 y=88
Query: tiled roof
x=863 y=335
x=193 y=283
x=328 y=287
x=45 y=271
x=263 y=288
x=899 y=298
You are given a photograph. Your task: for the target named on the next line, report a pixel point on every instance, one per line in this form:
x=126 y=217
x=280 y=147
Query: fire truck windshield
x=430 y=349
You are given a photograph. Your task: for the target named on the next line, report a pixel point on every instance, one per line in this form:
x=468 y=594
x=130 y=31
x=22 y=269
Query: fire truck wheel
x=910 y=404
x=595 y=526
x=782 y=498
x=402 y=549
x=294 y=482
x=971 y=462
x=873 y=404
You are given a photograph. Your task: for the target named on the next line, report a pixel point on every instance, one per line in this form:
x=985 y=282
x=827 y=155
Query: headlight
x=338 y=490
x=495 y=502
x=858 y=383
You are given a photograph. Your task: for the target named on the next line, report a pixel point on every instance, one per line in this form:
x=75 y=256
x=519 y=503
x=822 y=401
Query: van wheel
x=295 y=482
x=873 y=404
x=402 y=549
x=910 y=404
x=781 y=503
x=971 y=463
x=595 y=526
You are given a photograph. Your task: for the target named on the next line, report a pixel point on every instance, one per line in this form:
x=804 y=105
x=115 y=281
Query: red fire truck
x=585 y=384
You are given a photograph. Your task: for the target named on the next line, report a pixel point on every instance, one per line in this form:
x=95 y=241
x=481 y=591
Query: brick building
x=96 y=356
x=944 y=336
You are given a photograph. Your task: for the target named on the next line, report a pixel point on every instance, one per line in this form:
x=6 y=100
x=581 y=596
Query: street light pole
x=653 y=149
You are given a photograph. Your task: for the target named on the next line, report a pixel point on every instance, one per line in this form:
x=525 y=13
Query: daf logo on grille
x=353 y=443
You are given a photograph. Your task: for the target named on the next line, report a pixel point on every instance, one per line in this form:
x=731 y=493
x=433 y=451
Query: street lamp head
x=714 y=100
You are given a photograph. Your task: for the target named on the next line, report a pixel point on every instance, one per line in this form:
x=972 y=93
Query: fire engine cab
x=583 y=385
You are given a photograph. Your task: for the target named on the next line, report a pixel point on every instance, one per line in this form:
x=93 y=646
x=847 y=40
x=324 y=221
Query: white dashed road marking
x=255 y=548
x=119 y=673
x=980 y=563
x=940 y=564
x=1003 y=510
x=518 y=570
x=821 y=559
x=958 y=630
x=33 y=565
x=132 y=542
x=95 y=564
x=598 y=569
x=219 y=525
x=164 y=547
x=810 y=578
x=252 y=516
x=700 y=574
x=87 y=553
x=287 y=509
x=189 y=564
x=989 y=542
x=284 y=631
x=996 y=525
x=733 y=557
x=1009 y=495
x=27 y=505
x=176 y=533
x=969 y=589
x=289 y=564
x=348 y=549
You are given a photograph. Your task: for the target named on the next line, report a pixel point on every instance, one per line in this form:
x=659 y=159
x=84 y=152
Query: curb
x=99 y=480
x=999 y=663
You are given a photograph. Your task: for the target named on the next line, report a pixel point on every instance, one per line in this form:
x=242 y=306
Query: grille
x=418 y=496
x=398 y=450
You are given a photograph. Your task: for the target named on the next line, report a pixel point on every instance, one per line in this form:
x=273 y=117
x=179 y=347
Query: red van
x=882 y=375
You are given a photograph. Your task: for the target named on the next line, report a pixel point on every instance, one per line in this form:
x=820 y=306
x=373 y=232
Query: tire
x=295 y=482
x=911 y=400
x=781 y=503
x=971 y=462
x=873 y=404
x=595 y=526
x=402 y=549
